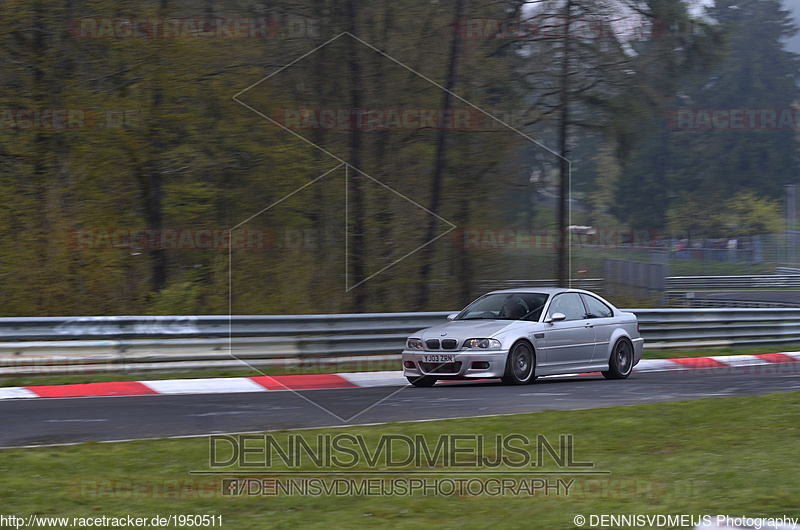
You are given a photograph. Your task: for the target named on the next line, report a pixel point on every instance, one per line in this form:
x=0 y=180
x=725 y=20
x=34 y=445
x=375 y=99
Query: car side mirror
x=556 y=317
x=451 y=316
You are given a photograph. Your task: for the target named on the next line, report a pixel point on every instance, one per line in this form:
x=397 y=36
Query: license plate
x=437 y=358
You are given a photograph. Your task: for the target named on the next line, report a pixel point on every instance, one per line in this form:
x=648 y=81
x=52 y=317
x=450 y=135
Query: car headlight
x=482 y=344
x=414 y=344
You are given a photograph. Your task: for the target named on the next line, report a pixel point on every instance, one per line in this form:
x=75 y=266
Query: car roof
x=542 y=290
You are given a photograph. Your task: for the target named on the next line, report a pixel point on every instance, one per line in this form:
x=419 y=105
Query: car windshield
x=505 y=306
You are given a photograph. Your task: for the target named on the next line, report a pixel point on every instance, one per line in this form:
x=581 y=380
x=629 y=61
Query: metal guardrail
x=773 y=281
x=591 y=284
x=139 y=343
x=788 y=278
x=716 y=327
x=136 y=343
x=693 y=299
x=122 y=327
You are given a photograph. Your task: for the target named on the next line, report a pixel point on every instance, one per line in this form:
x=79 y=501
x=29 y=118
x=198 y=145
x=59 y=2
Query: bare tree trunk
x=356 y=229
x=563 y=266
x=383 y=291
x=42 y=156
x=464 y=269
x=323 y=216
x=155 y=191
x=441 y=158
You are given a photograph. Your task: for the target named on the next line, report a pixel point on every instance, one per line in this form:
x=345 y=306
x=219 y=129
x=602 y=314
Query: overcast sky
x=793 y=44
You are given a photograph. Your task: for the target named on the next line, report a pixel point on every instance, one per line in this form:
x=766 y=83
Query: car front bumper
x=477 y=364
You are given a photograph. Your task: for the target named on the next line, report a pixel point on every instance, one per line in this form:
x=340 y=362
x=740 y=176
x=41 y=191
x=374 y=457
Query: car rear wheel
x=422 y=380
x=520 y=365
x=620 y=364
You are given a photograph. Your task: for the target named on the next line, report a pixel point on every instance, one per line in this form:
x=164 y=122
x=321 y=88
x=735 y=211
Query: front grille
x=441 y=368
x=449 y=344
x=432 y=344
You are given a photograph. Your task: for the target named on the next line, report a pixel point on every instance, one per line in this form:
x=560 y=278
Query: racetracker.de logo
x=173 y=28
x=48 y=119
x=171 y=239
x=551 y=27
x=68 y=119
x=379 y=119
x=528 y=239
x=733 y=119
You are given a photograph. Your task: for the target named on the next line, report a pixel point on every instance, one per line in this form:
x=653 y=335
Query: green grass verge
x=734 y=456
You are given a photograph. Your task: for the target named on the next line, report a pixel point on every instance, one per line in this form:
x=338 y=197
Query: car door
x=569 y=341
x=602 y=317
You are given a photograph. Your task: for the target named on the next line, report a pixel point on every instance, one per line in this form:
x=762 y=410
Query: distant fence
x=633 y=278
x=136 y=343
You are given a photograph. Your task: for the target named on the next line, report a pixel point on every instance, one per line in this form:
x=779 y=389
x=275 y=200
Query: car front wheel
x=422 y=380
x=620 y=364
x=520 y=365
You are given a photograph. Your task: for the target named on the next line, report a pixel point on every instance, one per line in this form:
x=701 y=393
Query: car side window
x=570 y=304
x=536 y=304
x=596 y=308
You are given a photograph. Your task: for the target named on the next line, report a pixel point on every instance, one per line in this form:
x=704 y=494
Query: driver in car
x=513 y=308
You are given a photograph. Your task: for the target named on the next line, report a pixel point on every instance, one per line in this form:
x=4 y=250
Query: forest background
x=378 y=156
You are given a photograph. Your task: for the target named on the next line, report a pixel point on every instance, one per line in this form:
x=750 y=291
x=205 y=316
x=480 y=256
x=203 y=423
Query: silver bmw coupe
x=517 y=335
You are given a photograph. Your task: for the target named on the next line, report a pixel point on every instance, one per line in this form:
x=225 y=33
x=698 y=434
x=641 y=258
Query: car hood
x=469 y=329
